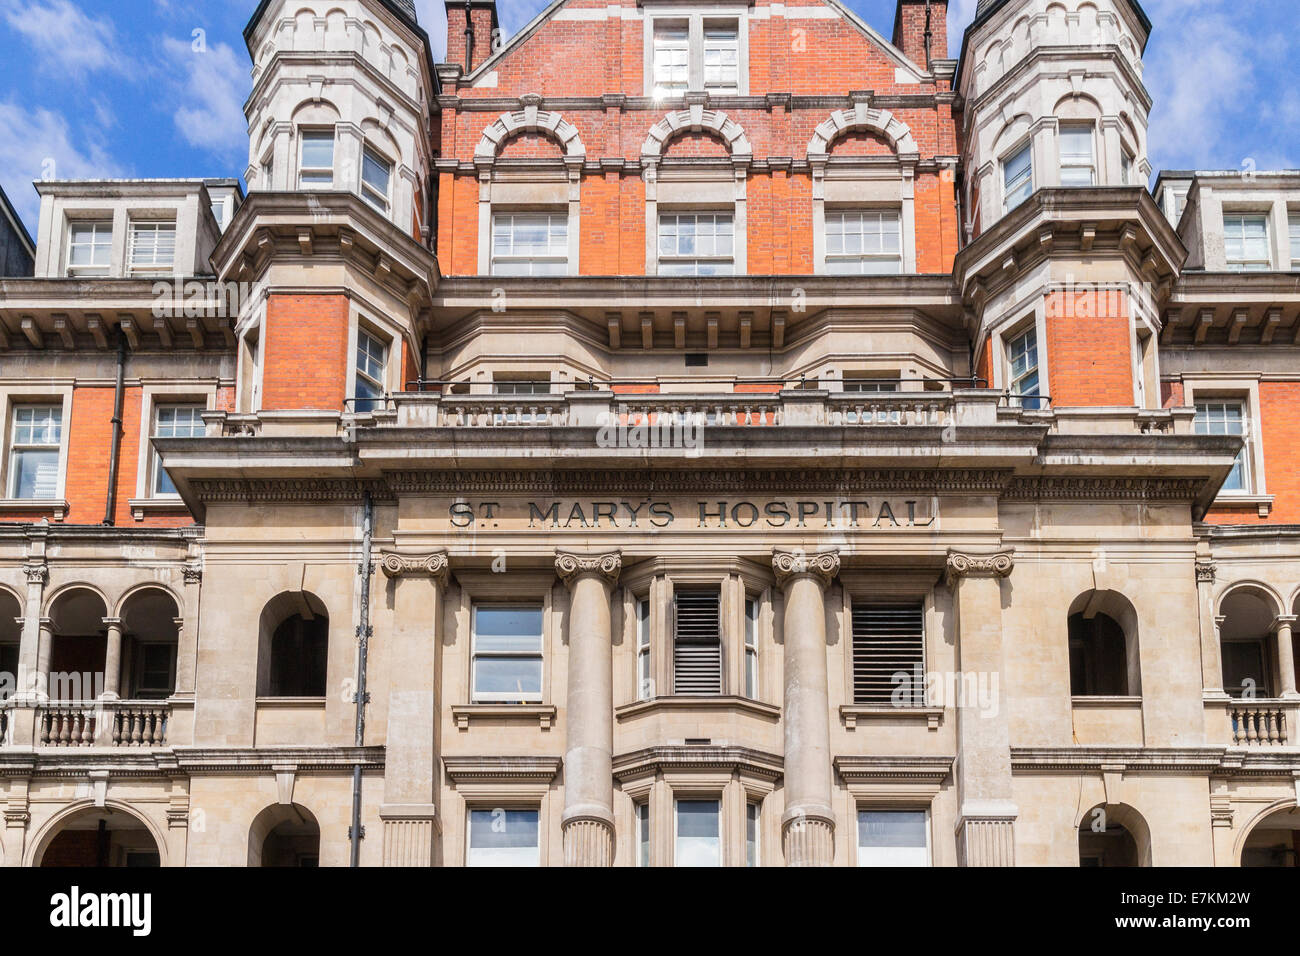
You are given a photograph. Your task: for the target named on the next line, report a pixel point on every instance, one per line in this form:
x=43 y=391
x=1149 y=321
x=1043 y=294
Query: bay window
x=316 y=160
x=1022 y=360
x=372 y=359
x=697 y=836
x=697 y=642
x=1018 y=177
x=376 y=173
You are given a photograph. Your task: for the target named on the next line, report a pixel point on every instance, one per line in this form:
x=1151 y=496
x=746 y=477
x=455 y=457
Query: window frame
x=751 y=686
x=644 y=661
x=94 y=270
x=697 y=20
x=501 y=698
x=369 y=192
x=1025 y=148
x=716 y=23
x=513 y=807
x=1245 y=263
x=869 y=807
x=318 y=132
x=13 y=447
x=1244 y=462
x=717 y=801
x=1030 y=400
x=155 y=468
x=1074 y=161
x=683 y=47
x=550 y=258
x=360 y=374
x=137 y=227
x=643 y=833
x=677 y=258
x=864 y=258
x=138 y=668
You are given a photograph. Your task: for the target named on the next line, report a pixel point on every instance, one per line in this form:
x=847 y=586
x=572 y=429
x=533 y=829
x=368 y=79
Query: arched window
x=294 y=647
x=1103 y=643
x=1248 y=644
x=150 y=637
x=1274 y=840
x=11 y=633
x=1114 y=835
x=284 y=835
x=79 y=645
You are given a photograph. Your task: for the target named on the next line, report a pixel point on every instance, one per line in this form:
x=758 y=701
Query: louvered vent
x=887 y=640
x=697 y=644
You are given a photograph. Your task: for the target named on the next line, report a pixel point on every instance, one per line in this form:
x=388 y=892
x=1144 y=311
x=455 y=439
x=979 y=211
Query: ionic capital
x=1205 y=572
x=570 y=566
x=823 y=566
x=37 y=574
x=997 y=565
x=397 y=565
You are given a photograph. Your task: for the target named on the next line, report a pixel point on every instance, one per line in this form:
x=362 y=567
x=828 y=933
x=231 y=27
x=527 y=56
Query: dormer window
x=1077 y=166
x=1018 y=177
x=1245 y=242
x=152 y=247
x=316 y=160
x=376 y=174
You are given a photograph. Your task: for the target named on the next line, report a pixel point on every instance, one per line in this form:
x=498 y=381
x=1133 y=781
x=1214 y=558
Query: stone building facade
x=680 y=433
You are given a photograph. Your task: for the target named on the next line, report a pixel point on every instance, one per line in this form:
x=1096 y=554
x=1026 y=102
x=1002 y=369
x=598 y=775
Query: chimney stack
x=472 y=32
x=921 y=30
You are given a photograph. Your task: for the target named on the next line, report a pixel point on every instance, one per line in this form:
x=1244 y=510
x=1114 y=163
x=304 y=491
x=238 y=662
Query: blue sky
x=141 y=88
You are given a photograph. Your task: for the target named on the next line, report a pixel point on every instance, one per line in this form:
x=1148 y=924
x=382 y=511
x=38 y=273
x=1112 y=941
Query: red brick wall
x=1088 y=352
x=480 y=23
x=588 y=58
x=305 y=359
x=909 y=30
x=530 y=145
x=1280 y=432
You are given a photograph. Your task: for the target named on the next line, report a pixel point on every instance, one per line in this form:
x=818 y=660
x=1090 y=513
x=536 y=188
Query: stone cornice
x=652 y=759
x=1206 y=761
x=823 y=566
x=880 y=767
x=569 y=567
x=464 y=769
x=193 y=761
x=1074 y=488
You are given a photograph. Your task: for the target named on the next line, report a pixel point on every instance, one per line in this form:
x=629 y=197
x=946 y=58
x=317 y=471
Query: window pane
x=643 y=834
x=318 y=150
x=38 y=425
x=751 y=834
x=697 y=834
x=508 y=629
x=1017 y=172
x=503 y=838
x=36 y=474
x=508 y=678
x=892 y=838
x=153 y=245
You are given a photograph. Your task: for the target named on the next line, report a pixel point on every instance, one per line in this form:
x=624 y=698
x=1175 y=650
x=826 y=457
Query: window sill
x=683 y=702
x=289 y=702
x=464 y=714
x=56 y=507
x=1081 y=700
x=1264 y=503
x=142 y=506
x=851 y=714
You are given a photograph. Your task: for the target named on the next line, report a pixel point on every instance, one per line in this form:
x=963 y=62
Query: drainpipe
x=355 y=832
x=115 y=443
x=928 y=34
x=469 y=38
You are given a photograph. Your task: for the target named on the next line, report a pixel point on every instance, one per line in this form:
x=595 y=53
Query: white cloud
x=39 y=144
x=69 y=41
x=211 y=86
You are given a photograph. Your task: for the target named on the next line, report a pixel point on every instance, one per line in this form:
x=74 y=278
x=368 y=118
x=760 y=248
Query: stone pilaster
x=409 y=810
x=1211 y=662
x=38 y=576
x=589 y=748
x=986 y=821
x=808 y=825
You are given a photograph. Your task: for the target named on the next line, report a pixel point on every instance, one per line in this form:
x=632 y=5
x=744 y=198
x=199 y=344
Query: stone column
x=113 y=659
x=187 y=635
x=808 y=824
x=589 y=748
x=1211 y=662
x=1285 y=655
x=45 y=644
x=30 y=642
x=409 y=810
x=986 y=822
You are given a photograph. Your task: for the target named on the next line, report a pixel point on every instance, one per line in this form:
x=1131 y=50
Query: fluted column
x=409 y=810
x=113 y=659
x=589 y=718
x=1285 y=655
x=986 y=821
x=808 y=825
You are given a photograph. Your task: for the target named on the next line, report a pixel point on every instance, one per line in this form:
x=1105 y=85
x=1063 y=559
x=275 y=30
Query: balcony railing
x=102 y=724
x=1258 y=724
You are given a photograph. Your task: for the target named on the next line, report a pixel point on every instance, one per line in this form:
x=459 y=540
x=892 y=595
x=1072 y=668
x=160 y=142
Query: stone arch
x=55 y=825
x=696 y=119
x=54 y=596
x=1094 y=607
x=881 y=122
x=1255 y=661
x=293 y=646
x=297 y=819
x=1265 y=592
x=135 y=590
x=1262 y=816
x=1119 y=815
x=530 y=118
